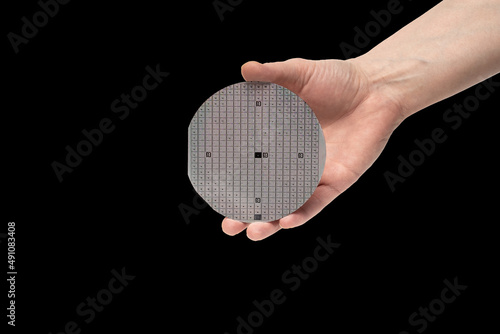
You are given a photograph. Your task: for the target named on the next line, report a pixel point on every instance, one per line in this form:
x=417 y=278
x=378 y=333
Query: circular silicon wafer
x=256 y=151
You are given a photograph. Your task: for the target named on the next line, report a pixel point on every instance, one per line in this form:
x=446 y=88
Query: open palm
x=356 y=118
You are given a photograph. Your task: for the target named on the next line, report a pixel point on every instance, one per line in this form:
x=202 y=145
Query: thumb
x=291 y=74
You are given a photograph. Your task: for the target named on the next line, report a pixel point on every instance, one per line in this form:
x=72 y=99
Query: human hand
x=357 y=119
x=359 y=102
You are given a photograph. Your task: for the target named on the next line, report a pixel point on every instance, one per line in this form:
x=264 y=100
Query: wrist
x=399 y=81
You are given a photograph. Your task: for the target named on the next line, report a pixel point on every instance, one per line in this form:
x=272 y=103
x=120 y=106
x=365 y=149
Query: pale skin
x=360 y=102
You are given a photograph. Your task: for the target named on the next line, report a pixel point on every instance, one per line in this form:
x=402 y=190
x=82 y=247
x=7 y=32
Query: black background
x=120 y=206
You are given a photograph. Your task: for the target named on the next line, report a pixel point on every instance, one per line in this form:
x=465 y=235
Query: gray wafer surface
x=256 y=151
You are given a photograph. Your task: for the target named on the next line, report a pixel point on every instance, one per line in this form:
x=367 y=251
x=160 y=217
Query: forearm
x=453 y=46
